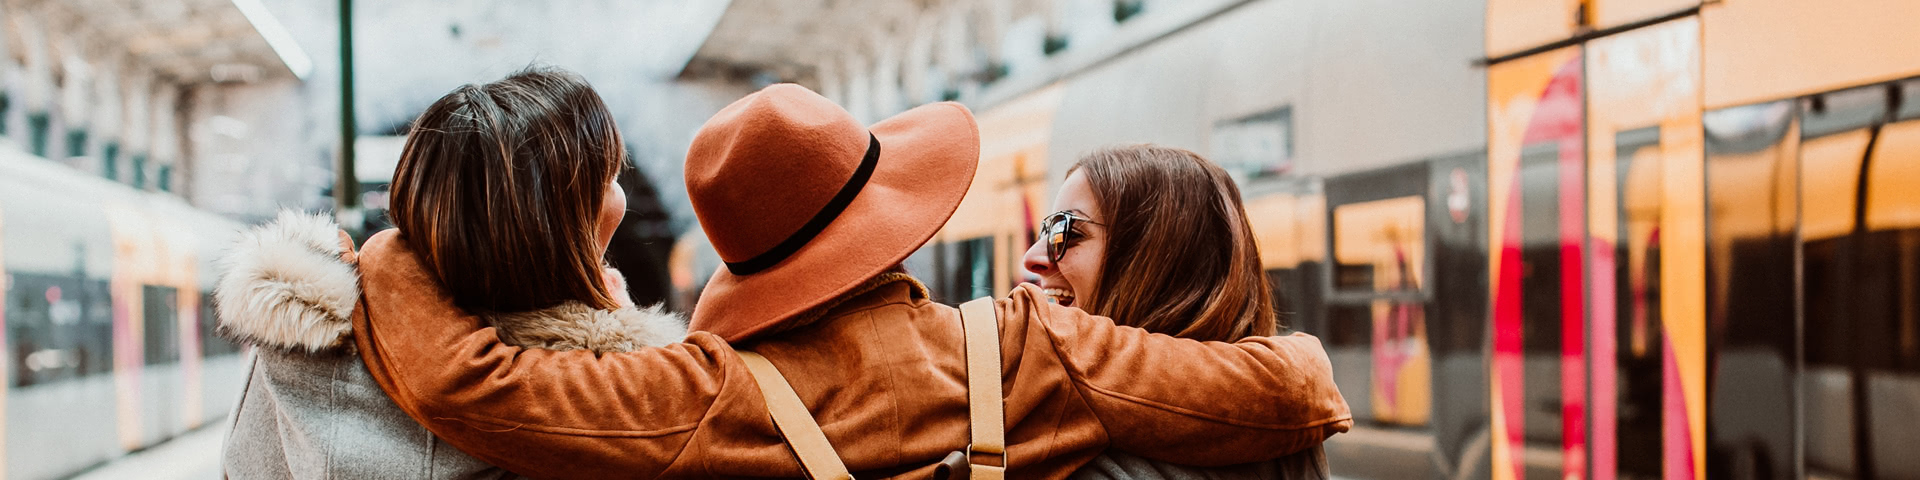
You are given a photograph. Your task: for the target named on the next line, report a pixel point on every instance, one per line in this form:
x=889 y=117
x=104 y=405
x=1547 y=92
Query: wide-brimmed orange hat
x=803 y=204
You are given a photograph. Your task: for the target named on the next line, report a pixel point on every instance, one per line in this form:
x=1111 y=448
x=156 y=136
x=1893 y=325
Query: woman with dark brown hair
x=507 y=189
x=1156 y=238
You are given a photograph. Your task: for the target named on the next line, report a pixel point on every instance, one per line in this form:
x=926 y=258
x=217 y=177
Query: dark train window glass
x=1541 y=314
x=1752 y=312
x=161 y=327
x=211 y=343
x=58 y=327
x=965 y=270
x=1295 y=301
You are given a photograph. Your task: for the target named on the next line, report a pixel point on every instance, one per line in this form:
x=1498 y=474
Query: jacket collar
x=883 y=289
x=292 y=285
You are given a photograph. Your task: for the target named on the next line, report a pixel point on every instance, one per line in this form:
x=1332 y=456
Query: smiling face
x=1076 y=275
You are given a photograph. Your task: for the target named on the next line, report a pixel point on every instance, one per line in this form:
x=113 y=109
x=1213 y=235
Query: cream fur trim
x=284 y=285
x=576 y=326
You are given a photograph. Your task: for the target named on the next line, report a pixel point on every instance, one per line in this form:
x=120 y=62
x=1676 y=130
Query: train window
x=1841 y=111
x=1910 y=99
x=58 y=327
x=1751 y=306
x=1893 y=220
x=1380 y=246
x=965 y=269
x=161 y=325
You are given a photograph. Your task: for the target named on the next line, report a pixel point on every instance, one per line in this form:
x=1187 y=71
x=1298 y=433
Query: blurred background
x=1570 y=239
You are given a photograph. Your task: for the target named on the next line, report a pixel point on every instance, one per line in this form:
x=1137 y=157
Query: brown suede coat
x=883 y=372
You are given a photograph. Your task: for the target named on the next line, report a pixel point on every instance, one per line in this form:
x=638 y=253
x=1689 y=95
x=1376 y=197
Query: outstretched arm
x=1192 y=402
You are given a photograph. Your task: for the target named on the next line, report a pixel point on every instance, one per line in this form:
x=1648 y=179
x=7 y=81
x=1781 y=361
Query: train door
x=1535 y=228
x=1380 y=287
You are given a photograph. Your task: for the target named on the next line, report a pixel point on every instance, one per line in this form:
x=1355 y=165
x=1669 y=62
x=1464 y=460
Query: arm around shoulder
x=542 y=413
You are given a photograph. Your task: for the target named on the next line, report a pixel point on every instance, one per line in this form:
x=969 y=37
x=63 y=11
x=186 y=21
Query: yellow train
x=1550 y=239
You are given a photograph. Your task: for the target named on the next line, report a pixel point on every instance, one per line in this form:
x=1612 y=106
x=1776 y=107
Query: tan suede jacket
x=883 y=372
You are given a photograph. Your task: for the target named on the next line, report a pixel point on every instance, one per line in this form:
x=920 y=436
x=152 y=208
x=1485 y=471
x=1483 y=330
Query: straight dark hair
x=499 y=187
x=1180 y=257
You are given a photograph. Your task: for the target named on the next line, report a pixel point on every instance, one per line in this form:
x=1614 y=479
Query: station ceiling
x=191 y=41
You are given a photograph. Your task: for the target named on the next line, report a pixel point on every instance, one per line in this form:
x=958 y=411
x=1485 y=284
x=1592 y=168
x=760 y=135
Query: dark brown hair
x=499 y=190
x=1180 y=257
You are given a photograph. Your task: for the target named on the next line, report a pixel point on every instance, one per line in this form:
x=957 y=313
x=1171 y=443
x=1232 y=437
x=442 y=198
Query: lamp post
x=346 y=184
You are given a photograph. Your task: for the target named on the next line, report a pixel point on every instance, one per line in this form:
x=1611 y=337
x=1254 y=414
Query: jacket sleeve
x=1192 y=402
x=541 y=413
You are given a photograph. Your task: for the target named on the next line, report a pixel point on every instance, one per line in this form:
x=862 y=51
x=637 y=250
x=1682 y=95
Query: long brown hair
x=1180 y=257
x=500 y=186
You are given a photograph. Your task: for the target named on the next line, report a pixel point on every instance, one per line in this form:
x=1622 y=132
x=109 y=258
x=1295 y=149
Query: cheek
x=1081 y=266
x=612 y=209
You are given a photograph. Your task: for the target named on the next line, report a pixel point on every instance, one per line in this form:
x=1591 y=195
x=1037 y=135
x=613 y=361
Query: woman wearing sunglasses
x=1156 y=238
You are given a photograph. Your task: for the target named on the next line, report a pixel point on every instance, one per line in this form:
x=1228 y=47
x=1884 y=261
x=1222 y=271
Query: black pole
x=346 y=184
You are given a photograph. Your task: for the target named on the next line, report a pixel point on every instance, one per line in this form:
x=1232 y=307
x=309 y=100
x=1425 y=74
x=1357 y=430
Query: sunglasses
x=1056 y=228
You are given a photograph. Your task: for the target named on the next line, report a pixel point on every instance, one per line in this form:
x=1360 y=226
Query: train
x=108 y=318
x=1597 y=239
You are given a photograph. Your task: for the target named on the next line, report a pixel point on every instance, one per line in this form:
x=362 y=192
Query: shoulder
x=289 y=285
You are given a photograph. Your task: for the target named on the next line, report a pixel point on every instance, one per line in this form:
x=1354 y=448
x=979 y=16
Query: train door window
x=1378 y=305
x=1289 y=231
x=1752 y=309
x=1456 y=319
x=161 y=328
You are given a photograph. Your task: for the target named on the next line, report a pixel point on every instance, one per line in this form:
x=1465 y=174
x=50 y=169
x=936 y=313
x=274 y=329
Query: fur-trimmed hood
x=291 y=285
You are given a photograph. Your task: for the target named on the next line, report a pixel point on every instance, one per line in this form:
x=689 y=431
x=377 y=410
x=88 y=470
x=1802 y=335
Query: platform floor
x=194 y=456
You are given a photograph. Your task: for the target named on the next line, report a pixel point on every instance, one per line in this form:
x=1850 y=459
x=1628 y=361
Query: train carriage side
x=108 y=322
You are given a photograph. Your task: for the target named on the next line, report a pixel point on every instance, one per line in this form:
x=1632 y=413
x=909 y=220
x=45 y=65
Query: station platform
x=193 y=456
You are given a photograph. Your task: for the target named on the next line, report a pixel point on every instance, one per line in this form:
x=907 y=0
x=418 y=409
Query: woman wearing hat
x=1156 y=237
x=813 y=215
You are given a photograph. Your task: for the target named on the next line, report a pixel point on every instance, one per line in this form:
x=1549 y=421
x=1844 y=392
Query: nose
x=1036 y=258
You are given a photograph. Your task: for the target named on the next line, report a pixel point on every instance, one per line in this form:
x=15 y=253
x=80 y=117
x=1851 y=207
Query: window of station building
x=1258 y=145
x=160 y=324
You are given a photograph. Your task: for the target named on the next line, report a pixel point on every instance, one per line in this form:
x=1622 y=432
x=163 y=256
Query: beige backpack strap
x=795 y=423
x=987 y=455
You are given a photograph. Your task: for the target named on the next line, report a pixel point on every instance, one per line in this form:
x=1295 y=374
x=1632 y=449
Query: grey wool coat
x=310 y=409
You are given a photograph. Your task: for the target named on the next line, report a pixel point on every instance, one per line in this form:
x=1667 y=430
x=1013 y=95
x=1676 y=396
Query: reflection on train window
x=161 y=328
x=1846 y=110
x=1380 y=246
x=965 y=269
x=1752 y=309
x=58 y=327
x=1862 y=310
